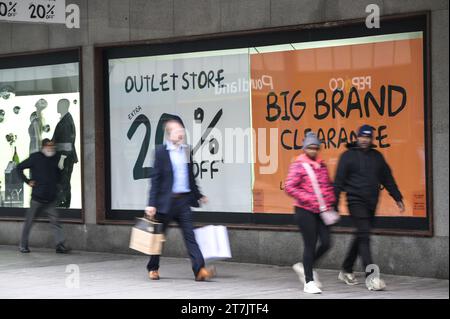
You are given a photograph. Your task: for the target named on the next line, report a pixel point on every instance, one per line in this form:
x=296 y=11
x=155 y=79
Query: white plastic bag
x=213 y=242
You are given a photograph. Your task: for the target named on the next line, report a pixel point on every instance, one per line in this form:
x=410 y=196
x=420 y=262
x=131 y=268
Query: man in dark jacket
x=44 y=177
x=360 y=173
x=173 y=191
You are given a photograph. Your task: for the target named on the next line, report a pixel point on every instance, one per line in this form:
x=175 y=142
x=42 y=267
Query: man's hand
x=150 y=211
x=204 y=200
x=31 y=183
x=61 y=162
x=401 y=206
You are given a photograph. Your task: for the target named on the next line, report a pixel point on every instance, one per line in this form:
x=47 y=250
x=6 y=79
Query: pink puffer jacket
x=298 y=184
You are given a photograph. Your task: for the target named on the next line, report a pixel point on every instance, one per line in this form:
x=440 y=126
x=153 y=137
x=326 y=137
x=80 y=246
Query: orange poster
x=332 y=91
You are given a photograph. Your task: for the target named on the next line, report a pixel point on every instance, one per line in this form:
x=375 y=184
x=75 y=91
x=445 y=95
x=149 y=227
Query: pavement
x=44 y=274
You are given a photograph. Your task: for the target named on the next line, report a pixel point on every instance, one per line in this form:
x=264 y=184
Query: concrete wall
x=108 y=21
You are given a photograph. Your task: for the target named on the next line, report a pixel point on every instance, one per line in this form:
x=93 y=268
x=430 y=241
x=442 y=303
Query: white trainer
x=348 y=278
x=311 y=288
x=375 y=284
x=316 y=279
x=300 y=270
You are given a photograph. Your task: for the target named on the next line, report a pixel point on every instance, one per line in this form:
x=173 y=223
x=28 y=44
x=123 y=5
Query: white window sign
x=45 y=11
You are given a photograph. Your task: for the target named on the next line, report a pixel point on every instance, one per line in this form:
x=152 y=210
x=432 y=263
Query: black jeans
x=64 y=194
x=363 y=219
x=312 y=228
x=180 y=211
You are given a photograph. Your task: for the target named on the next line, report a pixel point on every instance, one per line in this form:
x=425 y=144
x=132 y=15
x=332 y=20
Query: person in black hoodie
x=44 y=178
x=361 y=172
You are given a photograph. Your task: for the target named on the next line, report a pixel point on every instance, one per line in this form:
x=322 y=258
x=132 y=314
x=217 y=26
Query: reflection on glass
x=6 y=92
x=36 y=103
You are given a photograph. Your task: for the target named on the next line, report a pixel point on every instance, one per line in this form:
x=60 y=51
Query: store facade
x=246 y=98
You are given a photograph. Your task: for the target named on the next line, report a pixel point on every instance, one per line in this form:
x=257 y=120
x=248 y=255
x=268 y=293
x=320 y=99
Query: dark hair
x=46 y=141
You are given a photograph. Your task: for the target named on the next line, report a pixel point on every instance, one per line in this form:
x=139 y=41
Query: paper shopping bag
x=147 y=237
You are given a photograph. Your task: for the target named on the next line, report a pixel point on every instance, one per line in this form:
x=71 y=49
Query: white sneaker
x=311 y=288
x=300 y=270
x=348 y=278
x=375 y=284
x=316 y=279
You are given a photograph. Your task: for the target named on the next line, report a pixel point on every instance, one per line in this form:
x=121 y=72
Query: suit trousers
x=180 y=212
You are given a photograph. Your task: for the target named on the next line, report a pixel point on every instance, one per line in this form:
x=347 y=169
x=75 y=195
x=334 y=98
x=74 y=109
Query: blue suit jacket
x=162 y=181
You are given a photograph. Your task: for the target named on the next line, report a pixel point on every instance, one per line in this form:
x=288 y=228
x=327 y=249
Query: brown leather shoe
x=205 y=273
x=153 y=275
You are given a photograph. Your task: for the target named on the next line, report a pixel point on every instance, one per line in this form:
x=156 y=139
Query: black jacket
x=64 y=136
x=45 y=172
x=162 y=181
x=361 y=174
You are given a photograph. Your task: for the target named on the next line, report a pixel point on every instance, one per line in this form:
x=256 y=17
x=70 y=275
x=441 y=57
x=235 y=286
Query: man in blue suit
x=173 y=191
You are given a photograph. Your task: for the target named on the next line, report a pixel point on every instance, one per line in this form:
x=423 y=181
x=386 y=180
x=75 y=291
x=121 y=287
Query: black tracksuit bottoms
x=363 y=219
x=312 y=228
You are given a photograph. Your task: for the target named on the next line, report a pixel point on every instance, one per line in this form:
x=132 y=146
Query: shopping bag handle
x=152 y=219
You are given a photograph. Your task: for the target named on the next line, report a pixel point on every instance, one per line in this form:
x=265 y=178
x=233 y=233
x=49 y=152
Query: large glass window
x=247 y=108
x=37 y=102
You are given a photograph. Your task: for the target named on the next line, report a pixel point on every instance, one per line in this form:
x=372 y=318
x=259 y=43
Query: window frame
x=419 y=21
x=42 y=58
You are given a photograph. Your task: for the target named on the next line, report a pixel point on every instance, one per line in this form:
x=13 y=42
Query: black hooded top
x=45 y=173
x=361 y=173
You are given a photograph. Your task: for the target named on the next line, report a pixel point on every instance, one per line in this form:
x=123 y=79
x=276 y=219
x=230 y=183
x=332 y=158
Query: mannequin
x=36 y=126
x=64 y=139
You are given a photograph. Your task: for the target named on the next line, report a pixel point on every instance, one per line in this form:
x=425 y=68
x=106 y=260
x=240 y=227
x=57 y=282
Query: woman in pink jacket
x=307 y=212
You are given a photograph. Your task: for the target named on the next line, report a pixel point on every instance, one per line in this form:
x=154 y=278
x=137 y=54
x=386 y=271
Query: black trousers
x=312 y=228
x=65 y=193
x=36 y=208
x=363 y=219
x=180 y=211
